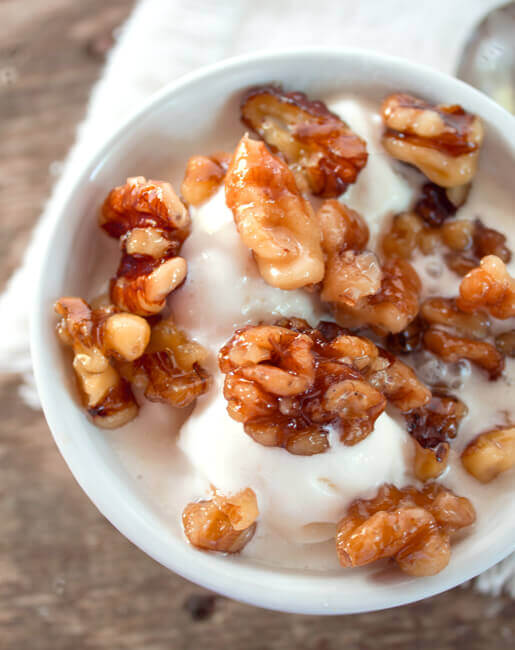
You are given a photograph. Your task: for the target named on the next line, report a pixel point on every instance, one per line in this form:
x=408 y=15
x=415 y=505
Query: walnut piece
x=489 y=286
x=95 y=336
x=444 y=311
x=505 y=343
x=152 y=224
x=223 y=523
x=392 y=308
x=429 y=464
x=171 y=369
x=350 y=272
x=490 y=454
x=454 y=348
x=313 y=140
x=203 y=176
x=288 y=383
x=273 y=218
x=437 y=204
x=443 y=141
x=411 y=526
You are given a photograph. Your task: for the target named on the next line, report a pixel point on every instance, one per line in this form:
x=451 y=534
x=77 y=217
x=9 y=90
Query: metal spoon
x=488 y=59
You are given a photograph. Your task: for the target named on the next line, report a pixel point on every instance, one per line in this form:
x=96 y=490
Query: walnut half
x=95 y=336
x=411 y=526
x=272 y=217
x=152 y=223
x=313 y=140
x=443 y=141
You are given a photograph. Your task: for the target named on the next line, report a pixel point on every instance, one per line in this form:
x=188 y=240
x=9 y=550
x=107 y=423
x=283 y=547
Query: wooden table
x=68 y=579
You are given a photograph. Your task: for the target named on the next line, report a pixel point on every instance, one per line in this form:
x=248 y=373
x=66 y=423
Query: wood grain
x=68 y=580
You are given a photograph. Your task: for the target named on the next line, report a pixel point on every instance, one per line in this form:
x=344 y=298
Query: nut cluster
x=314 y=141
x=289 y=383
x=443 y=141
x=411 y=526
x=152 y=223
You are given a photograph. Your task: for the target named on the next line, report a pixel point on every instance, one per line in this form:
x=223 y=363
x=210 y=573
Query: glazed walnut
x=313 y=140
x=289 y=383
x=443 y=141
x=392 y=308
x=203 y=176
x=95 y=336
x=437 y=204
x=411 y=526
x=505 y=343
x=171 y=368
x=490 y=454
x=152 y=223
x=454 y=348
x=444 y=311
x=350 y=273
x=223 y=523
x=489 y=286
x=273 y=218
x=432 y=426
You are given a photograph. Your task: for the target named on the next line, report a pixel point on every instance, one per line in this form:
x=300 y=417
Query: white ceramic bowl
x=188 y=117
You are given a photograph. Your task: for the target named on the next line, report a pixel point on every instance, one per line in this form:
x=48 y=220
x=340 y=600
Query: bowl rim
x=120 y=514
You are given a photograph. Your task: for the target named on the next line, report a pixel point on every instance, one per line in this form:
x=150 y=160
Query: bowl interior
x=198 y=115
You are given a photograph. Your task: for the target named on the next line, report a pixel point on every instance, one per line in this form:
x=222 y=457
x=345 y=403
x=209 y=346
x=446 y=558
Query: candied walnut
x=444 y=311
x=437 y=422
x=342 y=228
x=505 y=343
x=488 y=241
x=351 y=277
x=311 y=138
x=460 y=263
x=489 y=286
x=287 y=387
x=407 y=340
x=443 y=141
x=434 y=205
x=152 y=224
x=399 y=383
x=411 y=526
x=203 y=176
x=94 y=336
x=454 y=348
x=171 y=370
x=490 y=454
x=401 y=239
x=392 y=308
x=429 y=463
x=273 y=218
x=224 y=523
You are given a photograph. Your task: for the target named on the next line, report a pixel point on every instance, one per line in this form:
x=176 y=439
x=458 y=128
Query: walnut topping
x=311 y=138
x=505 y=343
x=273 y=218
x=95 y=335
x=490 y=454
x=442 y=141
x=204 y=175
x=287 y=383
x=435 y=204
x=444 y=311
x=454 y=348
x=429 y=464
x=152 y=224
x=411 y=526
x=171 y=369
x=392 y=308
x=437 y=421
x=223 y=523
x=489 y=286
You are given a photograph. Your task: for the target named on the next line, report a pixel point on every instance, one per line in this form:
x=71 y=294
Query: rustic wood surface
x=68 y=579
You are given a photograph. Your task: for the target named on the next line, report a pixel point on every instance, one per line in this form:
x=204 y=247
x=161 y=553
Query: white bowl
x=189 y=117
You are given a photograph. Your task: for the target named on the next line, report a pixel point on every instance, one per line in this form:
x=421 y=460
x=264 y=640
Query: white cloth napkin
x=164 y=39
